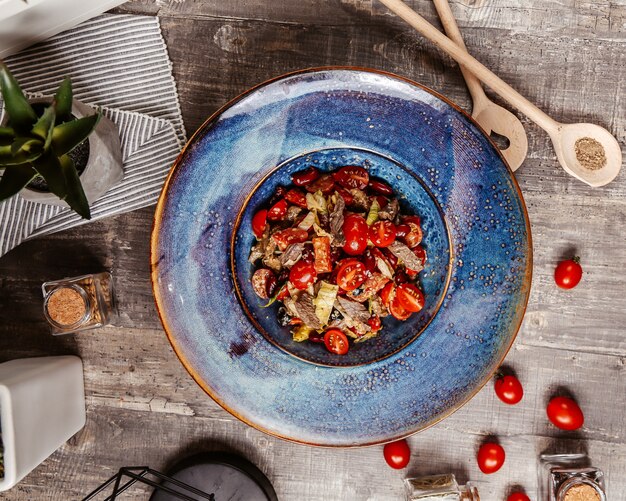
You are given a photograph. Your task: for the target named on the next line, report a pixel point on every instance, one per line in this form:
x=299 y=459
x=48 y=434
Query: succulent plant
x=38 y=144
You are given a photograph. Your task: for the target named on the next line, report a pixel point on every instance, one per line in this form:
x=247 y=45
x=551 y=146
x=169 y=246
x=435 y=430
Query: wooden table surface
x=143 y=408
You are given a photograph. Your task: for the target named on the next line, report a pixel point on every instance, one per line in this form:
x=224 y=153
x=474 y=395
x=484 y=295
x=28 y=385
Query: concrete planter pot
x=104 y=167
x=42 y=404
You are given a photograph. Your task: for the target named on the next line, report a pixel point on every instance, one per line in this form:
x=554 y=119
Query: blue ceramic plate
x=447 y=166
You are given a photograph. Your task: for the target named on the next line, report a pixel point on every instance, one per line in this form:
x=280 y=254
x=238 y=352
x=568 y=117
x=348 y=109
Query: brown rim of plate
x=270 y=338
x=159 y=210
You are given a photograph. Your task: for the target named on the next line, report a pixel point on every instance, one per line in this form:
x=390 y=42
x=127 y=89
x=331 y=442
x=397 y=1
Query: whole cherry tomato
x=350 y=274
x=352 y=176
x=374 y=322
x=305 y=177
x=302 y=274
x=336 y=342
x=259 y=222
x=568 y=273
x=402 y=230
x=509 y=389
x=345 y=194
x=490 y=457
x=397 y=454
x=382 y=233
x=564 y=413
x=380 y=187
x=278 y=210
x=518 y=496
x=355 y=230
x=410 y=297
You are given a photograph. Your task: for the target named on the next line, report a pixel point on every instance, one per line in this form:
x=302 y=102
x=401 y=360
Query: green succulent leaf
x=63 y=181
x=63 y=99
x=69 y=135
x=76 y=198
x=14 y=179
x=7 y=135
x=45 y=125
x=21 y=114
x=21 y=151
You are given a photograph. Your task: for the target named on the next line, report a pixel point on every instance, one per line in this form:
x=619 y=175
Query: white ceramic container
x=42 y=404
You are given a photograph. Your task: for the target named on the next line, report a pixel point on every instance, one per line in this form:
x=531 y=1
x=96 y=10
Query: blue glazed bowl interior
x=414 y=198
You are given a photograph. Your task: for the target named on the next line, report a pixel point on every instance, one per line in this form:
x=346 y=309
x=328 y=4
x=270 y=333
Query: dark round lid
x=227 y=476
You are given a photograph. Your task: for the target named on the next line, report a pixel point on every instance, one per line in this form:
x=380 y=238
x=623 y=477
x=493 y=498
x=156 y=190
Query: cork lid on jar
x=67 y=306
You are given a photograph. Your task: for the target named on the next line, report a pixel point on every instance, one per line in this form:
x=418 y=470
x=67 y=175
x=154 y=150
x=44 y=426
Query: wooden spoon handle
x=452 y=30
x=485 y=75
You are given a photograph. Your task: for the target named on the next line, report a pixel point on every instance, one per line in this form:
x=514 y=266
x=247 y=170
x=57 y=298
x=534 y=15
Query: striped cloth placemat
x=120 y=63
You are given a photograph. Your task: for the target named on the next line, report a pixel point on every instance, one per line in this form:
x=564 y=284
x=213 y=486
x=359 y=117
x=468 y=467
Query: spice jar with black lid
x=570 y=477
x=79 y=303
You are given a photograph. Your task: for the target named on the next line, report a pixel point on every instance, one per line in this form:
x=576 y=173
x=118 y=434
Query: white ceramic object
x=25 y=23
x=42 y=404
x=563 y=136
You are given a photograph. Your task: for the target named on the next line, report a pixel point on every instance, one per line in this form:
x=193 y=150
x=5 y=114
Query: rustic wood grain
x=568 y=56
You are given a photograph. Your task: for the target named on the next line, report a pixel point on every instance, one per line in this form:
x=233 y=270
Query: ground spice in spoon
x=590 y=153
x=66 y=306
x=581 y=492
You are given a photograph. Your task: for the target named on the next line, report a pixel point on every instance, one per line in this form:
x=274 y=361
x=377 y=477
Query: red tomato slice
x=278 y=210
x=352 y=176
x=397 y=310
x=305 y=177
x=410 y=297
x=355 y=230
x=336 y=342
x=290 y=236
x=382 y=233
x=259 y=222
x=296 y=197
x=350 y=274
x=321 y=248
x=325 y=184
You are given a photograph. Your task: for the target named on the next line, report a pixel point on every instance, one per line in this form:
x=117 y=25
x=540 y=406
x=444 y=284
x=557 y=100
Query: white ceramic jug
x=42 y=404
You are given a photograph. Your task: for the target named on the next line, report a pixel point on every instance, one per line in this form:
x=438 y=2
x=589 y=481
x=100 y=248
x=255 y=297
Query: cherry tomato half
x=382 y=233
x=509 y=389
x=387 y=293
x=568 y=273
x=397 y=454
x=302 y=274
x=305 y=176
x=396 y=308
x=564 y=413
x=518 y=496
x=350 y=274
x=490 y=457
x=336 y=342
x=355 y=230
x=278 y=210
x=259 y=222
x=374 y=322
x=410 y=297
x=380 y=187
x=352 y=176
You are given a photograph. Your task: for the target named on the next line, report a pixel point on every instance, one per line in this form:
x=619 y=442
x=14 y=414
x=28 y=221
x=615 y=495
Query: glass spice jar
x=79 y=303
x=439 y=488
x=569 y=477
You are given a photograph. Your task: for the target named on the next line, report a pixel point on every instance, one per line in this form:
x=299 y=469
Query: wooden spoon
x=489 y=115
x=566 y=138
